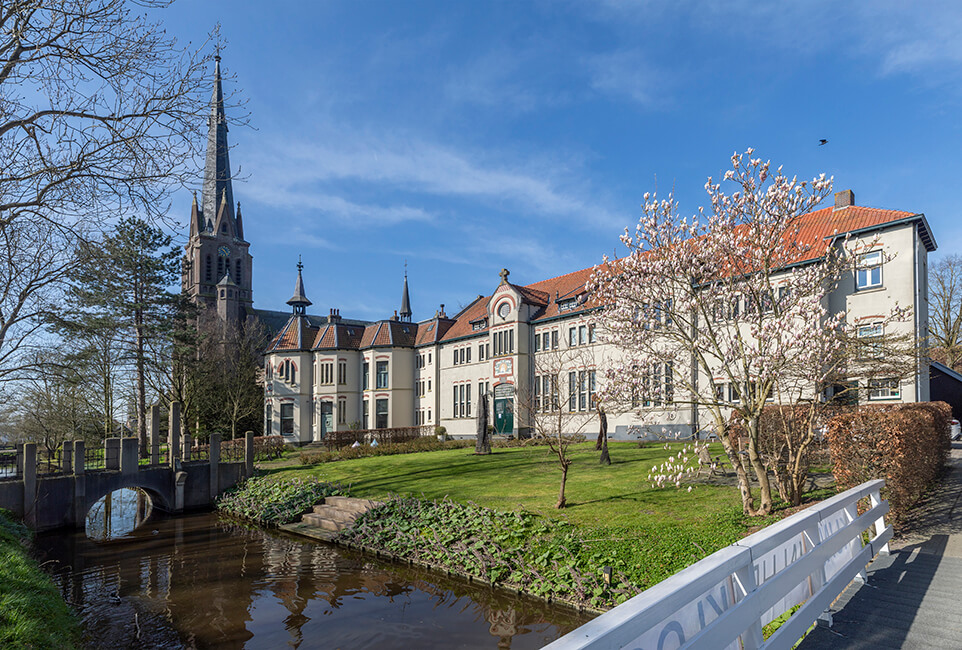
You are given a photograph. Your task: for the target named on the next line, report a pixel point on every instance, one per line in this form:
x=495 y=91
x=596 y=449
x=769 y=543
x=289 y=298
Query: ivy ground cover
x=492 y=516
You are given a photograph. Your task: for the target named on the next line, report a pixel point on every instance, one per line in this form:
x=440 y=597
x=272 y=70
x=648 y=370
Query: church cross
x=504 y=275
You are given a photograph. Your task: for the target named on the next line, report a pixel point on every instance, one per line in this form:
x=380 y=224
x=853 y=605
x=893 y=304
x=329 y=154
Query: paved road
x=913 y=598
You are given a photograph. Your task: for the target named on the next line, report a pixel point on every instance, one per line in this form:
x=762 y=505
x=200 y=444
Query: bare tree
x=560 y=406
x=227 y=388
x=99 y=110
x=945 y=310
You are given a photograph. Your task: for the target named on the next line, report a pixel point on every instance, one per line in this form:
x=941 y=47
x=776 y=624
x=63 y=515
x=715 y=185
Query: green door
x=327 y=418
x=504 y=415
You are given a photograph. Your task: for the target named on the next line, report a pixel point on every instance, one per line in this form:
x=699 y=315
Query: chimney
x=443 y=315
x=334 y=316
x=844 y=199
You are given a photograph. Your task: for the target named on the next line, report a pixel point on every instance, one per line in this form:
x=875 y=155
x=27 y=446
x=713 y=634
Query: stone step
x=350 y=503
x=334 y=512
x=324 y=523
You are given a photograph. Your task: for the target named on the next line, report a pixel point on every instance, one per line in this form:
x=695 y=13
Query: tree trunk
x=141 y=382
x=605 y=458
x=561 y=494
x=761 y=472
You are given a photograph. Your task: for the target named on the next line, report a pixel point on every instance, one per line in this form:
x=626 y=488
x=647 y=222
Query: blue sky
x=465 y=137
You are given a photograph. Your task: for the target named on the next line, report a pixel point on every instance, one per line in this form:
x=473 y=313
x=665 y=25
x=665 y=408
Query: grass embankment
x=614 y=517
x=32 y=613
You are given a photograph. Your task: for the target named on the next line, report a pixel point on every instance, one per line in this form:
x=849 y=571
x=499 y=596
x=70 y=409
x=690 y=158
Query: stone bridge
x=60 y=494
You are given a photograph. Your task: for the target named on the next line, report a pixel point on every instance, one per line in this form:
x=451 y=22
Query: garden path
x=912 y=596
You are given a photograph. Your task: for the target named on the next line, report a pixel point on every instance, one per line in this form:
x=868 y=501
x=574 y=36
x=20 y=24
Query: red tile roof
x=297 y=334
x=816 y=230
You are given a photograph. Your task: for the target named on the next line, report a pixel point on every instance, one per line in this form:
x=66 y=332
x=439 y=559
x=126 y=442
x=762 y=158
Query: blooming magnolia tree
x=738 y=291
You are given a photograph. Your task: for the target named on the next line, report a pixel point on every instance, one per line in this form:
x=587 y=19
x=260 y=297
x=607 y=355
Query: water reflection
x=118 y=514
x=197 y=582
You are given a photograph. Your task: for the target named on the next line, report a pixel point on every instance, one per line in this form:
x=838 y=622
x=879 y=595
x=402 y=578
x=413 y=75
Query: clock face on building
x=504 y=309
x=223 y=251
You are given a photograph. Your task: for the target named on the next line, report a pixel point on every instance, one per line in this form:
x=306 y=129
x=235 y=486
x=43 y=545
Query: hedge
x=906 y=444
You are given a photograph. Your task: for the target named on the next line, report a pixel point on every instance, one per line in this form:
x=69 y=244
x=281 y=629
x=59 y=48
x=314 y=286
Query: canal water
x=198 y=581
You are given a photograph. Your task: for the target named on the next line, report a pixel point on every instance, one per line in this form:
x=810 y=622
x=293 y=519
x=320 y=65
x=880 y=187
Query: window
x=341 y=410
x=380 y=412
x=456 y=356
x=537 y=342
x=546 y=341
x=583 y=335
x=429 y=357
x=287 y=419
x=468 y=352
x=573 y=336
x=365 y=414
x=220 y=267
x=554 y=340
x=365 y=376
x=568 y=304
x=870 y=338
x=382 y=374
x=572 y=391
x=869 y=272
x=734 y=393
x=719 y=393
x=207 y=269
x=582 y=390
x=591 y=334
x=327 y=373
x=454 y=411
x=462 y=400
x=884 y=389
x=237 y=266
x=269 y=421
x=429 y=383
x=669 y=382
x=342 y=372
x=481 y=352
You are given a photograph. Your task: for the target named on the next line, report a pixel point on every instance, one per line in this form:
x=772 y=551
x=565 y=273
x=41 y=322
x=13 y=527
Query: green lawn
x=618 y=495
x=32 y=613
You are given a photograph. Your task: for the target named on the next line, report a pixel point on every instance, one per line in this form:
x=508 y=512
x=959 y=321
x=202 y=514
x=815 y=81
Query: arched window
x=220 y=267
x=237 y=275
x=223 y=227
x=207 y=269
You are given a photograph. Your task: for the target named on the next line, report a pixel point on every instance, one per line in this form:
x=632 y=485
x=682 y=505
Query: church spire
x=217 y=176
x=299 y=301
x=405 y=312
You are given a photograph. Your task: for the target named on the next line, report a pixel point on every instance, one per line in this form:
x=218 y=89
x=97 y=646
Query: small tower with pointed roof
x=216 y=249
x=299 y=301
x=405 y=313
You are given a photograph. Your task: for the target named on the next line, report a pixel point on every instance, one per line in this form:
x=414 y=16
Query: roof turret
x=299 y=301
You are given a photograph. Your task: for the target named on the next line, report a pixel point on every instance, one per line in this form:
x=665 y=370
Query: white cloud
x=305 y=171
x=626 y=73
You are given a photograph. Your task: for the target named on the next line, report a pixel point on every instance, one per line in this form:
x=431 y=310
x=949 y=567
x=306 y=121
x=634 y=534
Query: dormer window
x=567 y=304
x=479 y=325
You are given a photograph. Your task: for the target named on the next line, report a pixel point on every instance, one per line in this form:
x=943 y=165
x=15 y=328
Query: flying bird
x=822 y=141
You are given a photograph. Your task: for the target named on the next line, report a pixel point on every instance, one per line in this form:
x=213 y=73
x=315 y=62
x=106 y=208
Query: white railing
x=724 y=600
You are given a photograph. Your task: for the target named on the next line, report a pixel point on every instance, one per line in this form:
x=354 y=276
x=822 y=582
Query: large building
x=524 y=349
x=506 y=347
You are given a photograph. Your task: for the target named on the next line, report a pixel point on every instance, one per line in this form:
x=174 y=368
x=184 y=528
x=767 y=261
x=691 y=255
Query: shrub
x=388 y=449
x=905 y=444
x=271 y=502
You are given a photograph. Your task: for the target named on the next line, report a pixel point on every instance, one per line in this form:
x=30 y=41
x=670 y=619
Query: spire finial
x=299 y=264
x=504 y=275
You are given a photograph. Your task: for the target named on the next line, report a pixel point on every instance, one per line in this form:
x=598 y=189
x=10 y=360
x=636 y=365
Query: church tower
x=217 y=263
